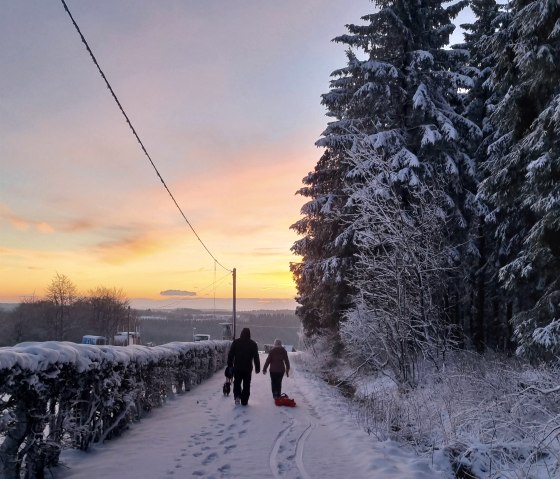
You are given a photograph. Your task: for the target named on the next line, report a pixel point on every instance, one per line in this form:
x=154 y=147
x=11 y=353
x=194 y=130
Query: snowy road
x=203 y=434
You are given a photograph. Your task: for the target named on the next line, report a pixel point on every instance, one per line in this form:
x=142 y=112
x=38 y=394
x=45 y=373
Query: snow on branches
x=401 y=262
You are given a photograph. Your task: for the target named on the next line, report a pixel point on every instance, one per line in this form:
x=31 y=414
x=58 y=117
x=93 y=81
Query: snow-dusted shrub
x=491 y=416
x=55 y=395
x=403 y=262
x=485 y=416
x=320 y=349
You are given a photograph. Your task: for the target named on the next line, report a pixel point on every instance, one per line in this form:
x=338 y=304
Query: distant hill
x=8 y=306
x=243 y=304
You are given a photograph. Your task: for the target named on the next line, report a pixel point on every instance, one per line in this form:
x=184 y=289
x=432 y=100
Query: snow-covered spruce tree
x=523 y=172
x=322 y=291
x=489 y=18
x=484 y=298
x=401 y=269
x=327 y=248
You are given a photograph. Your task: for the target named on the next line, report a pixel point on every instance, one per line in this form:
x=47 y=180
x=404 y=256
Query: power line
x=84 y=41
x=213 y=285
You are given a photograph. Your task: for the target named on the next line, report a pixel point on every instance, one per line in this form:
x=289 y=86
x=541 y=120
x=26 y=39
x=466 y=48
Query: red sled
x=284 y=400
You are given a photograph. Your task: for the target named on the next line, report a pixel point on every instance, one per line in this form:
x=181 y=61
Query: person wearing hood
x=279 y=364
x=242 y=354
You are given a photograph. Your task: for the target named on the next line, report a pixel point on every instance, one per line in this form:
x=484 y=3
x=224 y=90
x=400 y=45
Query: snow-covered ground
x=203 y=434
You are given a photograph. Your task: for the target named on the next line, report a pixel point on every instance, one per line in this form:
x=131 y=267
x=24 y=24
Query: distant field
x=181 y=325
x=159 y=326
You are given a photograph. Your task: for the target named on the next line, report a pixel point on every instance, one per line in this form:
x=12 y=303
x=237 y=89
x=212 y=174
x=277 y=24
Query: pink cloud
x=44 y=228
x=125 y=250
x=23 y=224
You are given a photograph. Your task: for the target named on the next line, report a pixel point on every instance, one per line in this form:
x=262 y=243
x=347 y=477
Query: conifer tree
x=523 y=171
x=327 y=248
x=321 y=291
x=485 y=305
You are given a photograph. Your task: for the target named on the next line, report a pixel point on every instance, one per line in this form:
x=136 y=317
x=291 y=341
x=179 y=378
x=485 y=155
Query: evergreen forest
x=432 y=217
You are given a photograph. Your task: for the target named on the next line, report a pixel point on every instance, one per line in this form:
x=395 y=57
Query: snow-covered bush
x=402 y=268
x=487 y=416
x=55 y=395
x=491 y=416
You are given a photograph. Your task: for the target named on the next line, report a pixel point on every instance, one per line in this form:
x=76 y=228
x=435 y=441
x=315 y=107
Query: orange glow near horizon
x=144 y=258
x=139 y=280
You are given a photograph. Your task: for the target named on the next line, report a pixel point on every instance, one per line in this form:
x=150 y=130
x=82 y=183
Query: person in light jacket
x=279 y=364
x=242 y=354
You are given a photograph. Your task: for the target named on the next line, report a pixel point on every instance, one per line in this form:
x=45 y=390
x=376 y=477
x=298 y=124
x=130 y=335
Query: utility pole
x=234 y=300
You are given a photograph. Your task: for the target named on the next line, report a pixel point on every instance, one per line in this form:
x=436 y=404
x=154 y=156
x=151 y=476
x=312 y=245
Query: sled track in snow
x=273 y=459
x=289 y=449
x=299 y=451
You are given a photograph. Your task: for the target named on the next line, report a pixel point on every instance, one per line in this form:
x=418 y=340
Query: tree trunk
x=478 y=332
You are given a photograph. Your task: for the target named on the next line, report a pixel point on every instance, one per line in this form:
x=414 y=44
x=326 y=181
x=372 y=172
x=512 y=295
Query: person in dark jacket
x=279 y=364
x=242 y=354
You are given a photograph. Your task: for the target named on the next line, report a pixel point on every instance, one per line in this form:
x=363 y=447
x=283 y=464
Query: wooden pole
x=234 y=300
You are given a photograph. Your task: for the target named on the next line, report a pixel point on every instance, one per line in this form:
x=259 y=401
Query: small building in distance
x=126 y=338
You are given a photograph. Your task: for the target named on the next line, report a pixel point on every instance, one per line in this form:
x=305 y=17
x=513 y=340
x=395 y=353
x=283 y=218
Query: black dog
x=228 y=373
x=227 y=387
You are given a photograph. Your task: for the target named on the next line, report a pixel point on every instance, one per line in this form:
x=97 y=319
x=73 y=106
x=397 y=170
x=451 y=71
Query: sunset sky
x=225 y=95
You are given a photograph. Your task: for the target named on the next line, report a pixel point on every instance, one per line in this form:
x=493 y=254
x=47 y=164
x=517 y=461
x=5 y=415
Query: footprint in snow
x=224 y=470
x=227 y=439
x=210 y=458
